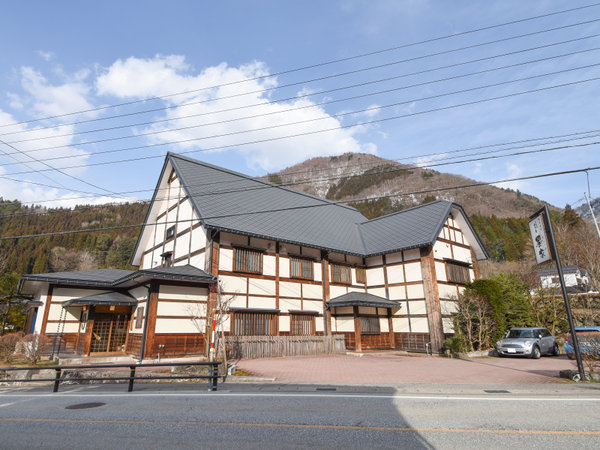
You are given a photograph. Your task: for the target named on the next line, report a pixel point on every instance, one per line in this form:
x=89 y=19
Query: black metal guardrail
x=213 y=375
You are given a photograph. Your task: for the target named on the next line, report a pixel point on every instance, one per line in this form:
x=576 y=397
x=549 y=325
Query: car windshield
x=520 y=334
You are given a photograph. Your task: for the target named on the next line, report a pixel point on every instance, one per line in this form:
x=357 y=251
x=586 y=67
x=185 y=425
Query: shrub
x=8 y=344
x=456 y=344
x=33 y=347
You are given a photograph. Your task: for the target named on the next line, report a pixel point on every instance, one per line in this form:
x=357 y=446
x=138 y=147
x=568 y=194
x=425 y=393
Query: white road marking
x=313 y=395
x=6 y=404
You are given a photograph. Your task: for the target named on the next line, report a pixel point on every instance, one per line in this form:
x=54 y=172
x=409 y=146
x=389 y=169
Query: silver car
x=532 y=342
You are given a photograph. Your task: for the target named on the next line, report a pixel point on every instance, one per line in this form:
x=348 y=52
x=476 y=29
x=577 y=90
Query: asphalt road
x=291 y=416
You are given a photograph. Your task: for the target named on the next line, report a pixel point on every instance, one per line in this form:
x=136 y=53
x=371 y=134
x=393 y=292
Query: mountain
x=363 y=176
x=584 y=210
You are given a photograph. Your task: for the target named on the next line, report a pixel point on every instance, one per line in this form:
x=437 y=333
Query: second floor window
x=170 y=232
x=246 y=260
x=458 y=273
x=361 y=275
x=167 y=259
x=301 y=268
x=341 y=274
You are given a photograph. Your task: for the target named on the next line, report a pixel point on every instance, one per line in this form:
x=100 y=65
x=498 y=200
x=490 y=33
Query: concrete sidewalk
x=383 y=369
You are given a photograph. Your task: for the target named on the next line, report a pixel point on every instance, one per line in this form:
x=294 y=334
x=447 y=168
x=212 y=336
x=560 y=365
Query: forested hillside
x=76 y=251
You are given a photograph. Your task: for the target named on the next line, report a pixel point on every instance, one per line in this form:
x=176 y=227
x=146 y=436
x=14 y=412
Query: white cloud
x=48 y=99
x=164 y=75
x=46 y=56
x=513 y=171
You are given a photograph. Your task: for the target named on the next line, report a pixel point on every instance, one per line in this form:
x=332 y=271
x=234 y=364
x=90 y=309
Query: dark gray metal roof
x=107 y=298
x=116 y=278
x=230 y=201
x=362 y=299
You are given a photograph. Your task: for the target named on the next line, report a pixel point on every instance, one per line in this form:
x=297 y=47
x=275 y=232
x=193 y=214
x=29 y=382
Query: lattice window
x=246 y=260
x=303 y=324
x=253 y=324
x=170 y=232
x=458 y=273
x=341 y=274
x=370 y=325
x=301 y=268
x=361 y=275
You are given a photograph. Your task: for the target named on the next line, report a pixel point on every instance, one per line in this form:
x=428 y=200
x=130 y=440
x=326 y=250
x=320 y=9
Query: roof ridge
x=259 y=180
x=406 y=210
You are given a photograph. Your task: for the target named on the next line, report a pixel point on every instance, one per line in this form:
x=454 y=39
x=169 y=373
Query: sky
x=94 y=94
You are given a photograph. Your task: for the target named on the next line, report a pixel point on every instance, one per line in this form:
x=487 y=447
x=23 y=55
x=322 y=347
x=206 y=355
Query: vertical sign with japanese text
x=540 y=241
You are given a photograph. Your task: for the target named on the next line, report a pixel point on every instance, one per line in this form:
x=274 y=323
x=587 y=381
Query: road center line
x=303 y=426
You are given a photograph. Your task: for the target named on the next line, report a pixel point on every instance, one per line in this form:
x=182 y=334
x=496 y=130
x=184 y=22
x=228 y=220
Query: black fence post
x=131 y=378
x=214 y=376
x=57 y=379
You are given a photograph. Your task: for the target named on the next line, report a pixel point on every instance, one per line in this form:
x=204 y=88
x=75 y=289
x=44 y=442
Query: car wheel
x=500 y=355
x=535 y=353
x=556 y=350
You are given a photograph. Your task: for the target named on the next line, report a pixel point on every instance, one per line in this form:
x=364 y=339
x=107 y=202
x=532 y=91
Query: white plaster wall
x=41 y=296
x=198 y=261
x=261 y=302
x=198 y=239
x=440 y=271
x=395 y=274
x=226 y=259
x=336 y=291
x=384 y=325
x=462 y=254
x=415 y=291
x=401 y=310
x=377 y=291
x=289 y=289
x=312 y=291
x=446 y=291
x=417 y=307
x=397 y=292
x=181 y=309
x=261 y=287
x=441 y=250
x=233 y=284
x=392 y=258
x=318 y=271
x=167 y=292
x=269 y=265
x=237 y=301
x=400 y=324
x=284 y=267
x=374 y=261
x=448 y=307
x=311 y=305
x=175 y=326
x=286 y=305
x=447 y=325
x=411 y=254
x=319 y=324
x=284 y=324
x=344 y=324
x=413 y=271
x=419 y=324
x=182 y=246
x=375 y=277
x=357 y=289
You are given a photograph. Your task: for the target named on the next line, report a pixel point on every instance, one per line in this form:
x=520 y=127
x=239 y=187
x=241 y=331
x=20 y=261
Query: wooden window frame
x=301 y=261
x=341 y=266
x=139 y=316
x=453 y=269
x=170 y=233
x=295 y=318
x=369 y=321
x=166 y=259
x=236 y=260
x=244 y=321
x=363 y=278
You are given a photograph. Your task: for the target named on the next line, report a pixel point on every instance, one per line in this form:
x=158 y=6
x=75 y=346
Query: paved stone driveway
x=393 y=369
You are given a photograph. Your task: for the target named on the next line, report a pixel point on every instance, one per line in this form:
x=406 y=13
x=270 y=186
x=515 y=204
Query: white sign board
x=540 y=242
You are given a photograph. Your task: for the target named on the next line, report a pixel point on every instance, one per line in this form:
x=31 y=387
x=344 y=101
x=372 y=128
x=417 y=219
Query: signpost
x=544 y=245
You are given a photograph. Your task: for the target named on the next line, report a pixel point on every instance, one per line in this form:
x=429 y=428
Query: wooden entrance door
x=109 y=333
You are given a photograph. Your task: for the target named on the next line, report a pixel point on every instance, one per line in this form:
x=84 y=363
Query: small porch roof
x=362 y=299
x=106 y=298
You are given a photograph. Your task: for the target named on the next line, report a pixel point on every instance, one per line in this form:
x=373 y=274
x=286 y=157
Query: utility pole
x=592 y=212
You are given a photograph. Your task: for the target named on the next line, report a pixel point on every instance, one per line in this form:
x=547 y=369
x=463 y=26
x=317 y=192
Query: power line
x=369 y=122
x=325 y=63
x=32 y=130
x=325 y=203
x=314 y=105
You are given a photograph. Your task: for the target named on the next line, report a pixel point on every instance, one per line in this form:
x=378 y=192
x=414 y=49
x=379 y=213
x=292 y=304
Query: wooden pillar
x=326 y=293
x=152 y=310
x=47 y=304
x=277 y=288
x=213 y=291
x=391 y=328
x=357 y=333
x=432 y=300
x=89 y=328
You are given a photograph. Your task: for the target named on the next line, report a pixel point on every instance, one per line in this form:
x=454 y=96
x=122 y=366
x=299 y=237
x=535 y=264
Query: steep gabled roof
x=228 y=201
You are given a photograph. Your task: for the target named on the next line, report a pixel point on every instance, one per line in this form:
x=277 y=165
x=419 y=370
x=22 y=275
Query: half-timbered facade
x=288 y=263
